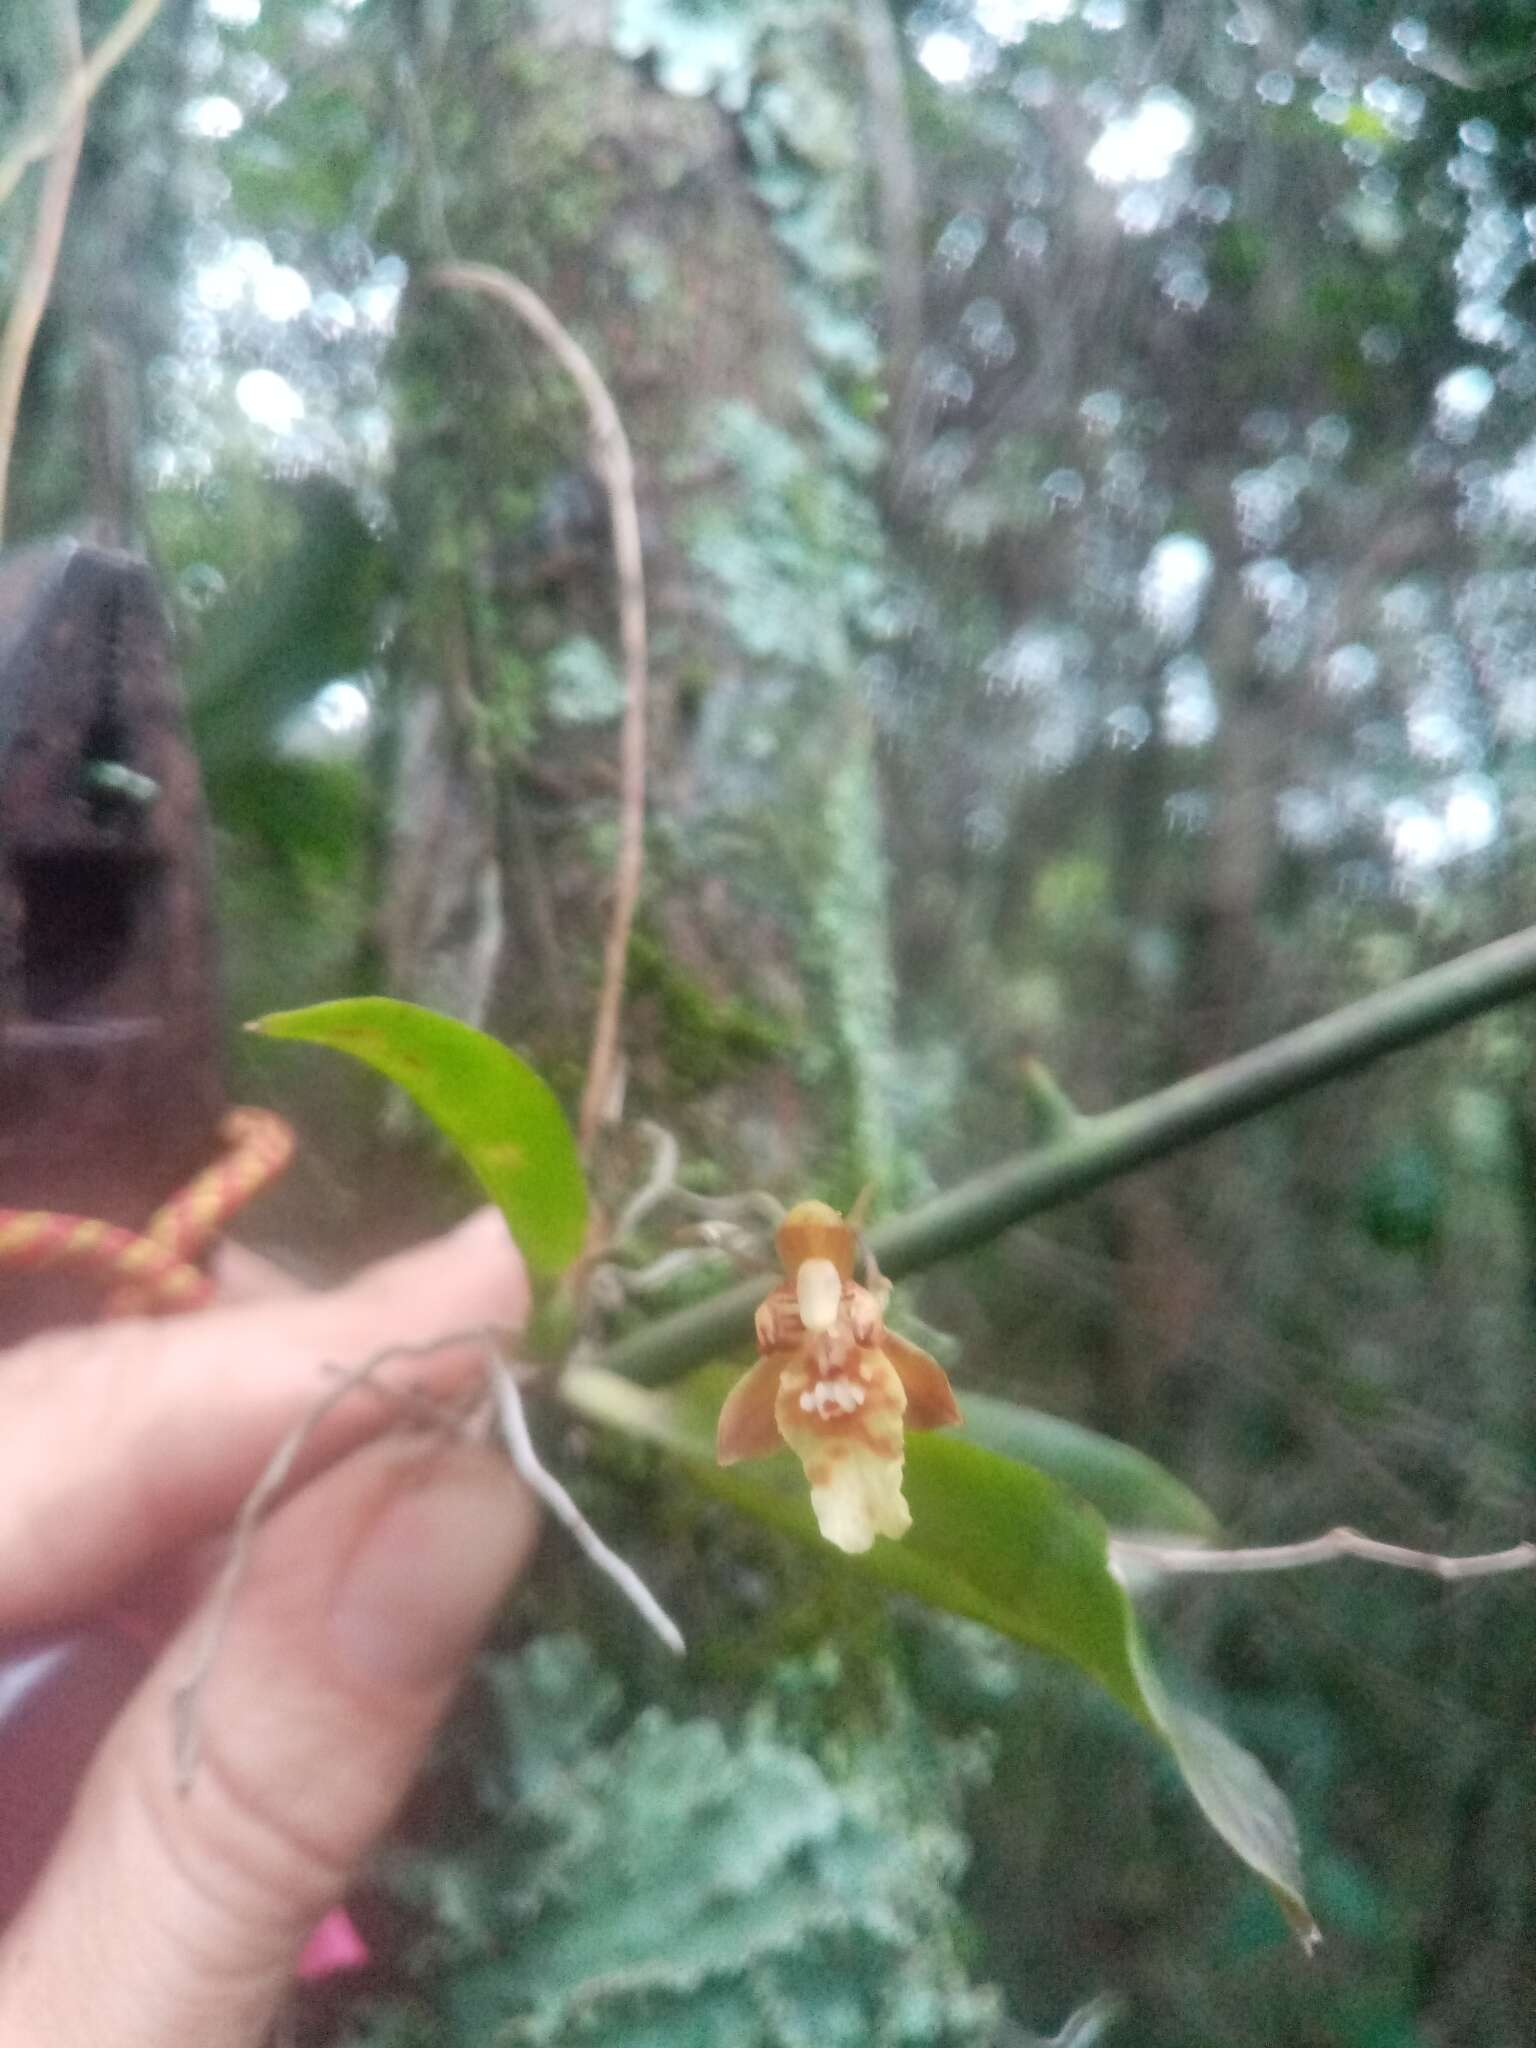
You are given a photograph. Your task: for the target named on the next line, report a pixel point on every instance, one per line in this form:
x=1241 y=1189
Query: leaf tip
x=1308 y=1934
x=279 y=1023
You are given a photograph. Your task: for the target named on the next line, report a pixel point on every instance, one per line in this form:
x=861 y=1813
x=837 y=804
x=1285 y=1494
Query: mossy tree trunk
x=638 y=213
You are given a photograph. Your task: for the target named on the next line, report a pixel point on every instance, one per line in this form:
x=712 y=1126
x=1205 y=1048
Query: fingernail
x=422 y=1587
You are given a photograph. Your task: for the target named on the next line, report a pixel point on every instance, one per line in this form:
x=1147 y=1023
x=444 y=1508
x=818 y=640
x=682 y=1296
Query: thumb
x=167 y=1917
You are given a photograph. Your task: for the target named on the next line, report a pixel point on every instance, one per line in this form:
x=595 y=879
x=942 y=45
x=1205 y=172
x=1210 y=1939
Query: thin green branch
x=1101 y=1148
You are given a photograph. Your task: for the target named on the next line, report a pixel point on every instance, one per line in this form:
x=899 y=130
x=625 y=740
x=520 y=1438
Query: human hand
x=165 y=1918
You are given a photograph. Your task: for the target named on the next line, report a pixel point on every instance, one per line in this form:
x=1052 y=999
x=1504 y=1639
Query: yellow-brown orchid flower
x=835 y=1385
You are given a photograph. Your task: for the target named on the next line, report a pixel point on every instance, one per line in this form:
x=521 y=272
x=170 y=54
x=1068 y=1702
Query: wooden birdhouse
x=109 y=1082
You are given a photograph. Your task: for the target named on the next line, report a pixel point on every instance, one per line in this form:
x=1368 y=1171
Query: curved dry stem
x=615 y=464
x=1181 y=1559
x=36 y=279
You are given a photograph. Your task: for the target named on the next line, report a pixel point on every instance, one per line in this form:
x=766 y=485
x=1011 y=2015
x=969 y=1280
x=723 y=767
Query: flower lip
x=830 y=1398
x=858 y=1500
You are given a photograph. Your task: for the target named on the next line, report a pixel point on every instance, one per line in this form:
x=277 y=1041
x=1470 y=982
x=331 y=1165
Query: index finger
x=122 y=1443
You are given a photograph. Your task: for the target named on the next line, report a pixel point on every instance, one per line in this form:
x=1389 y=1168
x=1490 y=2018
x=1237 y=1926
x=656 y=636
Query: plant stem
x=615 y=464
x=1186 y=1558
x=1101 y=1148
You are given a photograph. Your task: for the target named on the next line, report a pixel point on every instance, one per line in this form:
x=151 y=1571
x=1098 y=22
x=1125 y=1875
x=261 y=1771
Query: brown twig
x=615 y=464
x=40 y=135
x=1183 y=1558
x=36 y=279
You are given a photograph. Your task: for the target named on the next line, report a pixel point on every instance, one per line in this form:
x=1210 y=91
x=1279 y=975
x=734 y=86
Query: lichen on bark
x=716 y=274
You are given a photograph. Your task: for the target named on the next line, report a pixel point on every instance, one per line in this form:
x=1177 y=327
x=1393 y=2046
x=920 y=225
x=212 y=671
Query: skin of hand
x=166 y=1917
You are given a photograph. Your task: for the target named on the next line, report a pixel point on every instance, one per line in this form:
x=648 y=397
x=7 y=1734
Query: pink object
x=334 y=1946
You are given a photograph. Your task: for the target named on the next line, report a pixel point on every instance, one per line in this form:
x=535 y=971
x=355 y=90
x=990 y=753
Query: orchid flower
x=834 y=1385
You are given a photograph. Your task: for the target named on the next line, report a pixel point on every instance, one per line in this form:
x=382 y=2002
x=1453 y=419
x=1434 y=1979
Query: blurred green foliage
x=633 y=1879
x=942 y=787
x=706 y=1040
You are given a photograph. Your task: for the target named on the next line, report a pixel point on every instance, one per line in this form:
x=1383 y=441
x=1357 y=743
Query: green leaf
x=1001 y=1543
x=502 y=1116
x=1130 y=1490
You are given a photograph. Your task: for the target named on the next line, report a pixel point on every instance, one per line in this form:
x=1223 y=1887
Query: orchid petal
x=748 y=1427
x=811 y=1230
x=931 y=1400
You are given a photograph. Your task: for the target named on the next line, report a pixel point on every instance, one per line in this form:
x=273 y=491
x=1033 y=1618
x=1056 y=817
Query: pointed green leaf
x=1130 y=1490
x=1232 y=1789
x=502 y=1116
x=1001 y=1543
